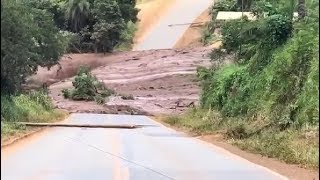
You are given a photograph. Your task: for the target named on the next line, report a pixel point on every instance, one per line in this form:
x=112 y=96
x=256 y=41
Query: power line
x=94 y=147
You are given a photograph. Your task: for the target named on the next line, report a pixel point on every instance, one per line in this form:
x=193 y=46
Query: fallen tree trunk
x=122 y=126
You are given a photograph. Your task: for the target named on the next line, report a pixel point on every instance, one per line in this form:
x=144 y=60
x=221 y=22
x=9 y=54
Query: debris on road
x=121 y=126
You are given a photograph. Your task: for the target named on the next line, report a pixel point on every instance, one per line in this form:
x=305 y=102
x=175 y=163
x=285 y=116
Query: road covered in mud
x=161 y=81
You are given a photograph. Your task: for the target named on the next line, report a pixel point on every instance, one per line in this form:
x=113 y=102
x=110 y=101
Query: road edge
x=218 y=148
x=23 y=136
x=30 y=133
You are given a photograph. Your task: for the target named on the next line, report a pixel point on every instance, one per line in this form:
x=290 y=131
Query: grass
x=268 y=98
x=296 y=146
x=9 y=129
x=29 y=107
x=291 y=146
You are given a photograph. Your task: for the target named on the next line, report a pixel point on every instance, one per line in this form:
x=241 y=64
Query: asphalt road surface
x=149 y=153
x=164 y=36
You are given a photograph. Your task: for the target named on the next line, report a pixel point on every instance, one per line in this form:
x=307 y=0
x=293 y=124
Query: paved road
x=163 y=36
x=150 y=153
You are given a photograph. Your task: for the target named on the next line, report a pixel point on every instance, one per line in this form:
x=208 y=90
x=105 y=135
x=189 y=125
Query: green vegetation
x=126 y=37
x=275 y=59
x=267 y=100
x=29 y=39
x=88 y=25
x=208 y=35
x=38 y=32
x=87 y=87
x=259 y=8
x=34 y=106
x=101 y=25
x=11 y=129
x=298 y=146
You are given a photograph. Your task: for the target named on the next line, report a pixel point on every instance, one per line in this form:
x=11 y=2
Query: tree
x=77 y=12
x=301 y=9
x=55 y=7
x=128 y=10
x=109 y=25
x=29 y=39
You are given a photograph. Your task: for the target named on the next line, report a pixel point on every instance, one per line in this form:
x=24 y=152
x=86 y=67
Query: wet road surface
x=150 y=153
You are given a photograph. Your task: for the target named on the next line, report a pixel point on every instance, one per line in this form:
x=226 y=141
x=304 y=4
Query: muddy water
x=162 y=81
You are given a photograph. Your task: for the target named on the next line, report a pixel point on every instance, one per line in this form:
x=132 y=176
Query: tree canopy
x=37 y=32
x=29 y=39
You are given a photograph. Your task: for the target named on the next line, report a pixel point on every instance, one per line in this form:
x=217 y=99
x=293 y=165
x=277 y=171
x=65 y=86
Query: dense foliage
x=276 y=71
x=262 y=91
x=29 y=39
x=37 y=32
x=87 y=87
x=101 y=24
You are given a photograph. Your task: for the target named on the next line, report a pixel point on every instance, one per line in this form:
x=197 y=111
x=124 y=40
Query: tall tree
x=77 y=12
x=29 y=39
x=109 y=25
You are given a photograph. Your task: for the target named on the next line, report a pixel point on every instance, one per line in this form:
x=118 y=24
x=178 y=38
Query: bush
x=99 y=99
x=277 y=64
x=87 y=87
x=107 y=92
x=66 y=93
x=207 y=36
x=34 y=106
x=10 y=111
x=268 y=99
x=42 y=98
x=255 y=38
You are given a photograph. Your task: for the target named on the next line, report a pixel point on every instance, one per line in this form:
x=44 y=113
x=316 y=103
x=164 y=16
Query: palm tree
x=77 y=12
